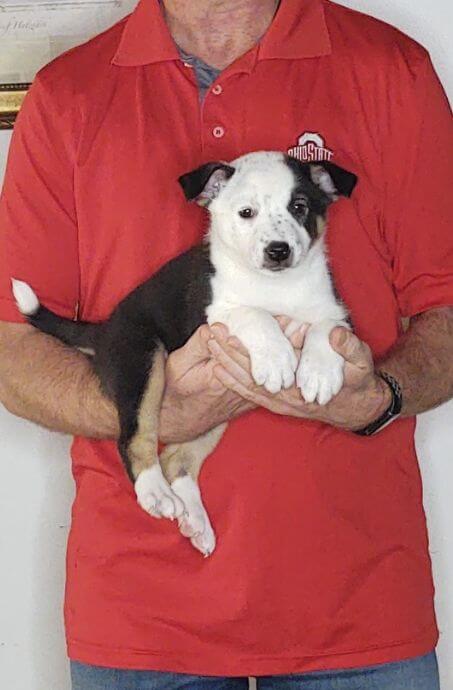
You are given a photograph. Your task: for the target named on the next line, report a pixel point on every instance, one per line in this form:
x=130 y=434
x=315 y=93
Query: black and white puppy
x=264 y=256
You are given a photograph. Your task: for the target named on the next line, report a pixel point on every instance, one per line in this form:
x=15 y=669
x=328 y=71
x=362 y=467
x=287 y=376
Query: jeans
x=415 y=674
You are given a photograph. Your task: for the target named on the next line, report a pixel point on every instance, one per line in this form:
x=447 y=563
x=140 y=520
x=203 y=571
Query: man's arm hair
x=50 y=384
x=55 y=386
x=422 y=361
x=46 y=382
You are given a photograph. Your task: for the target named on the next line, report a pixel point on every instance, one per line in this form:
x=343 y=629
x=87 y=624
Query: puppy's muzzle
x=277 y=256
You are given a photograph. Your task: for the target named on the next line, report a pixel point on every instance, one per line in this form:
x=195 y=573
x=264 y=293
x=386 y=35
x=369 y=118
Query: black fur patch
x=343 y=180
x=317 y=201
x=126 y=343
x=194 y=182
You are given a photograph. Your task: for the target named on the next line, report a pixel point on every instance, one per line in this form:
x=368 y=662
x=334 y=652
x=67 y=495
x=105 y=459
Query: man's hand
x=194 y=399
x=362 y=399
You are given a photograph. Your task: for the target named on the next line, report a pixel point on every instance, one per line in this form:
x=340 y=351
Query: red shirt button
x=218 y=132
x=217 y=90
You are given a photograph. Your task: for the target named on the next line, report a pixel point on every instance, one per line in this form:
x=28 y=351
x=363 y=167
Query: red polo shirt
x=322 y=558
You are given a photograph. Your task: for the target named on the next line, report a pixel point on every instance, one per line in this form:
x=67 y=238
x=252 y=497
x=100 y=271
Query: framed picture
x=33 y=32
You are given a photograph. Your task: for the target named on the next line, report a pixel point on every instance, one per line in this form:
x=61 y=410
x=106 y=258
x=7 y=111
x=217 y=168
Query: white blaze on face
x=263 y=183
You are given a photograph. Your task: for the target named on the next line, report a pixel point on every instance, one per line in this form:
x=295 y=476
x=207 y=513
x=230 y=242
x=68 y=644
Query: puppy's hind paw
x=195 y=523
x=206 y=542
x=155 y=495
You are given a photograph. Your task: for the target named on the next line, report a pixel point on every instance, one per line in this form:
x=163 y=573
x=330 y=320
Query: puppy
x=264 y=256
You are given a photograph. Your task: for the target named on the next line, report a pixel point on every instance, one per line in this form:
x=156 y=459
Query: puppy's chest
x=304 y=299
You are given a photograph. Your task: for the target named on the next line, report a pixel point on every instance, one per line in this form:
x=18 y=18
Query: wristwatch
x=391 y=413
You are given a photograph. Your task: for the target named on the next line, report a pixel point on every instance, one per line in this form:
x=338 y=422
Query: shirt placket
x=221 y=138
x=215 y=122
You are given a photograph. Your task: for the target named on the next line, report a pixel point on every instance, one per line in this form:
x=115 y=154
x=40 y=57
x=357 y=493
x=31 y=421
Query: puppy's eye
x=247 y=212
x=299 y=206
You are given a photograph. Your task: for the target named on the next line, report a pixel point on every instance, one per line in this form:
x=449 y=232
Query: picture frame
x=11 y=98
x=34 y=32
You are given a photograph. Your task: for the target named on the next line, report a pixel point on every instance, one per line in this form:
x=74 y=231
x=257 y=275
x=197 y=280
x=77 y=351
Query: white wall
x=36 y=487
x=431 y=23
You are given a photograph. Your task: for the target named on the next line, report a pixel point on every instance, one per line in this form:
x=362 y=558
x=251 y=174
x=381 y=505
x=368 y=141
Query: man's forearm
x=55 y=386
x=44 y=381
x=422 y=361
x=50 y=384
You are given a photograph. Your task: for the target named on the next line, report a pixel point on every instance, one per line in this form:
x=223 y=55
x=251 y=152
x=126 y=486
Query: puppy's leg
x=320 y=372
x=139 y=390
x=181 y=464
x=271 y=354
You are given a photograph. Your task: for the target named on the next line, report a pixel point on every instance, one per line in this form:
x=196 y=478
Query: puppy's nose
x=277 y=251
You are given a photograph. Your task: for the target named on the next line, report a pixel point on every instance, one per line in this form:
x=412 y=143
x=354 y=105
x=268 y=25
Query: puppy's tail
x=76 y=333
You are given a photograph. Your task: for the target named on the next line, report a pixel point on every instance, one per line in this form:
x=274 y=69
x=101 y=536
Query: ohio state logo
x=310 y=148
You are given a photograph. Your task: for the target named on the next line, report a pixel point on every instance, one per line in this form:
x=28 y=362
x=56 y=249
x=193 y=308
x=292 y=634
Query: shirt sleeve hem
x=414 y=303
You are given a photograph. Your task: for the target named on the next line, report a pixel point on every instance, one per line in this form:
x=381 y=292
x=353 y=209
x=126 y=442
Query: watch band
x=392 y=412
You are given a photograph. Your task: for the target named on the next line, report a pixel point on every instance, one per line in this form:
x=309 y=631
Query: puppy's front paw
x=320 y=374
x=274 y=364
x=155 y=496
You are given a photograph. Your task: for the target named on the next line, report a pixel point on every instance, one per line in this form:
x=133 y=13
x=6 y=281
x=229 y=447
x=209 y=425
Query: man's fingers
x=232 y=359
x=297 y=335
x=234 y=345
x=239 y=405
x=283 y=321
x=196 y=348
x=349 y=346
x=294 y=330
x=221 y=334
x=229 y=381
x=219 y=331
x=192 y=355
x=259 y=397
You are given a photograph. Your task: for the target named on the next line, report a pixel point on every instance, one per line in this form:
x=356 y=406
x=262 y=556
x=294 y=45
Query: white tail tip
x=26 y=300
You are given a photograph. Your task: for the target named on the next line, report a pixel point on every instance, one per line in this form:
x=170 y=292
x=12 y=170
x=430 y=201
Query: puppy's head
x=266 y=208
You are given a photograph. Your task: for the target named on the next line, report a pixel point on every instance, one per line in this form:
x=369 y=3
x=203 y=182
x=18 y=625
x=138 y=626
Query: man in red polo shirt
x=321 y=577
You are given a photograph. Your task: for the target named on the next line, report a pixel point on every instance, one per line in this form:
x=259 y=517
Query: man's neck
x=218 y=31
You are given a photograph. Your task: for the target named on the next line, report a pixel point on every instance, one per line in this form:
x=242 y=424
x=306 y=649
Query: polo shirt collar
x=299 y=30
x=146 y=38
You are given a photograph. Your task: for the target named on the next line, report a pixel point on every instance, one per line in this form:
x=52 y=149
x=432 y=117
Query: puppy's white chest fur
x=304 y=293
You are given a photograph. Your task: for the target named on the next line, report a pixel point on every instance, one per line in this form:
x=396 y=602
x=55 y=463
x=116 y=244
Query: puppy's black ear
x=206 y=182
x=333 y=180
